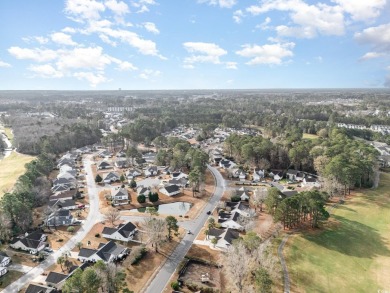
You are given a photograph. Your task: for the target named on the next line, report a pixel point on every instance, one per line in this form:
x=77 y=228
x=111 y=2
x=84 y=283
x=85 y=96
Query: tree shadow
x=351 y=238
x=342 y=207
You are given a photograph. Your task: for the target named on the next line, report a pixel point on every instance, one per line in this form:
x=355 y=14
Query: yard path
x=94 y=216
x=283 y=263
x=166 y=271
x=19 y=268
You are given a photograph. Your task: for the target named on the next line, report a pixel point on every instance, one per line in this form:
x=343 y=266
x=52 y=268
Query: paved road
x=162 y=278
x=93 y=217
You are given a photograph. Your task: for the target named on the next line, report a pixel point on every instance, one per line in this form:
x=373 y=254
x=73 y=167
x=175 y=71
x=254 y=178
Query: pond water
x=175 y=208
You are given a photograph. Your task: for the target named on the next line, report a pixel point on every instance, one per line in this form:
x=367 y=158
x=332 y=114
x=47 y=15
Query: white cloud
x=69 y=30
x=93 y=78
x=378 y=37
x=126 y=66
x=220 y=3
x=46 y=71
x=149 y=74
x=41 y=40
x=107 y=40
x=81 y=10
x=36 y=54
x=266 y=54
x=371 y=55
x=4 y=64
x=264 y=24
x=231 y=65
x=238 y=15
x=62 y=39
x=203 y=53
x=362 y=9
x=90 y=57
x=143 y=5
x=151 y=27
x=119 y=8
x=309 y=20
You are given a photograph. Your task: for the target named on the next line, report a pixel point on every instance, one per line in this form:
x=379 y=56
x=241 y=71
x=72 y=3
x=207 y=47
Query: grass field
x=352 y=253
x=310 y=136
x=10 y=169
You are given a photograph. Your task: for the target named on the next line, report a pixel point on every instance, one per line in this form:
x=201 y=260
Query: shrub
x=141 y=198
x=133 y=184
x=97 y=235
x=235 y=198
x=70 y=229
x=175 y=285
x=137 y=254
x=60 y=240
x=153 y=197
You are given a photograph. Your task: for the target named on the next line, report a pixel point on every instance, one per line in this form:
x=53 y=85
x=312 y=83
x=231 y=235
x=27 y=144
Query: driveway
x=94 y=216
x=163 y=276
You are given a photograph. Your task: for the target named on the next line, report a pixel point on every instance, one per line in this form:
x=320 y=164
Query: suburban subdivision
x=150 y=192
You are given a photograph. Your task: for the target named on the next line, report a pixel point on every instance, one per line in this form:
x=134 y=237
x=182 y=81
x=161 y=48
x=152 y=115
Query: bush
x=60 y=240
x=97 y=235
x=133 y=184
x=153 y=197
x=141 y=198
x=137 y=254
x=70 y=229
x=235 y=198
x=175 y=285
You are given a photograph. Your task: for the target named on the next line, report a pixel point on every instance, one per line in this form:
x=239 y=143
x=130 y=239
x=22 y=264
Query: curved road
x=94 y=216
x=163 y=276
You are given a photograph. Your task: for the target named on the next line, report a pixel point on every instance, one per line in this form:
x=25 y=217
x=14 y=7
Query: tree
x=155 y=229
x=79 y=245
x=61 y=261
x=153 y=197
x=70 y=229
x=112 y=215
x=263 y=281
x=247 y=221
x=133 y=184
x=258 y=198
x=91 y=280
x=207 y=232
x=74 y=283
x=214 y=241
x=122 y=178
x=171 y=223
x=112 y=276
x=272 y=200
x=251 y=241
x=5 y=226
x=141 y=198
x=211 y=222
x=98 y=178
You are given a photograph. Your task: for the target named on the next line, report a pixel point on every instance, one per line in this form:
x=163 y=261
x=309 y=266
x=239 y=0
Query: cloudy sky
x=194 y=44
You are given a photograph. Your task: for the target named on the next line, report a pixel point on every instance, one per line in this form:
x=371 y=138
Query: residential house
x=3 y=271
x=111 y=177
x=276 y=176
x=63 y=184
x=133 y=173
x=105 y=154
x=258 y=174
x=310 y=181
x=151 y=171
x=244 y=195
x=31 y=242
x=121 y=163
x=119 y=196
x=5 y=260
x=60 y=218
x=240 y=174
x=124 y=232
x=33 y=288
x=121 y=154
x=170 y=190
x=103 y=165
x=179 y=175
x=226 y=164
x=225 y=237
x=65 y=204
x=143 y=190
x=149 y=157
x=56 y=280
x=107 y=252
x=182 y=182
x=230 y=220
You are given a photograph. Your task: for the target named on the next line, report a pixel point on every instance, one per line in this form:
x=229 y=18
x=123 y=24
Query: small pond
x=175 y=208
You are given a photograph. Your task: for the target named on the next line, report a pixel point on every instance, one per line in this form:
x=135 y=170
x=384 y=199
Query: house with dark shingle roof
x=107 y=252
x=33 y=288
x=170 y=190
x=225 y=237
x=60 y=218
x=56 y=280
x=104 y=165
x=111 y=177
x=119 y=196
x=124 y=232
x=65 y=204
x=33 y=242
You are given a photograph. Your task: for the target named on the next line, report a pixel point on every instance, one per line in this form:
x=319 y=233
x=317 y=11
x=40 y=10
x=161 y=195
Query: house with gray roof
x=124 y=232
x=107 y=252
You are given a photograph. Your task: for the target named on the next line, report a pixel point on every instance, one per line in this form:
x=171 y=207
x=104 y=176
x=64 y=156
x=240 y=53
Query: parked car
x=81 y=206
x=48 y=249
x=209 y=213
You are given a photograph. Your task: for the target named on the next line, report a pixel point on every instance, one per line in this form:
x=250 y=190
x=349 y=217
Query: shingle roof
x=55 y=278
x=126 y=229
x=111 y=249
x=87 y=252
x=216 y=232
x=231 y=235
x=109 y=231
x=32 y=288
x=172 y=188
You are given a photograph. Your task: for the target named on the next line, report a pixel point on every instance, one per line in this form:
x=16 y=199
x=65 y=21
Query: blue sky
x=194 y=44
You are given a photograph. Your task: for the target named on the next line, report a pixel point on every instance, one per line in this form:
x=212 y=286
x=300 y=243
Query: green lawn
x=309 y=136
x=10 y=170
x=9 y=278
x=352 y=253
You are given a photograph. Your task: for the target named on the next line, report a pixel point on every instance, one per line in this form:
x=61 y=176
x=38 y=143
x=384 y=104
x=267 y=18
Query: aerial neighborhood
x=160 y=205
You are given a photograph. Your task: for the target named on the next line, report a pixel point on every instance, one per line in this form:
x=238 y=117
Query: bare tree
x=155 y=230
x=237 y=264
x=247 y=221
x=112 y=216
x=5 y=226
x=259 y=197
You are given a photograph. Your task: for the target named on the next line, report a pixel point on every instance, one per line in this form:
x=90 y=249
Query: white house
x=230 y=221
x=33 y=242
x=124 y=232
x=111 y=177
x=225 y=237
x=3 y=271
x=131 y=174
x=104 y=165
x=151 y=171
x=310 y=181
x=119 y=196
x=244 y=195
x=170 y=190
x=4 y=259
x=107 y=252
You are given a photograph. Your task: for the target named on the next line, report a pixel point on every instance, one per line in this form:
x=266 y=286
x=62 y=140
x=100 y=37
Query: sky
x=194 y=44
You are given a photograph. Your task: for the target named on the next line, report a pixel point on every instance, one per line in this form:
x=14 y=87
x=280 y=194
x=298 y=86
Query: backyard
x=351 y=253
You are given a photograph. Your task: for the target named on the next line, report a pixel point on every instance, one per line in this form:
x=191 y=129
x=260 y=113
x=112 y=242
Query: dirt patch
x=54 y=236
x=91 y=239
x=194 y=272
x=9 y=278
x=21 y=258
